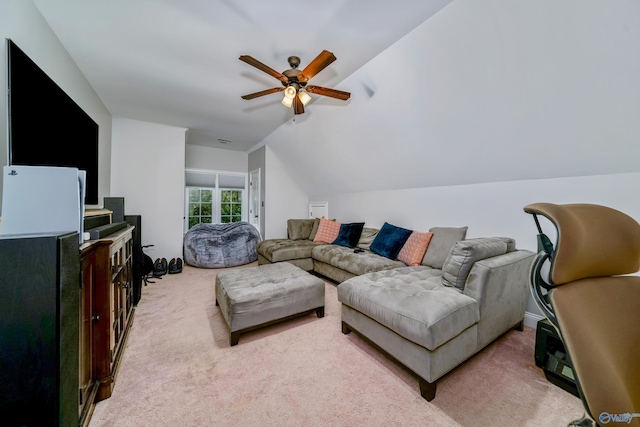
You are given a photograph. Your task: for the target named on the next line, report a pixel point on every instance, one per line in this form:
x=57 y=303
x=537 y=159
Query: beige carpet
x=179 y=370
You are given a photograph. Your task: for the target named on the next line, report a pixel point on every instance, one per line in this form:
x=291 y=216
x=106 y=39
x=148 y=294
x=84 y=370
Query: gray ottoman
x=253 y=297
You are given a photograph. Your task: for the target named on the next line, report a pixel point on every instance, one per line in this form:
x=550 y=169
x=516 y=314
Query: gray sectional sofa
x=431 y=317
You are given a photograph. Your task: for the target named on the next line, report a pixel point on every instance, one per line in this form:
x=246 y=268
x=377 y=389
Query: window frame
x=231 y=204
x=216 y=217
x=189 y=202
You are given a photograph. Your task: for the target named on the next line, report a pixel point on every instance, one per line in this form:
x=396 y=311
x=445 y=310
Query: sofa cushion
x=441 y=243
x=355 y=263
x=277 y=250
x=390 y=240
x=465 y=253
x=367 y=237
x=314 y=229
x=327 y=231
x=349 y=234
x=412 y=302
x=414 y=248
x=299 y=229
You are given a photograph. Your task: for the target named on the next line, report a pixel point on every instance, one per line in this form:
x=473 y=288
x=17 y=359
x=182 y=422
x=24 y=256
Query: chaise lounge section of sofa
x=430 y=317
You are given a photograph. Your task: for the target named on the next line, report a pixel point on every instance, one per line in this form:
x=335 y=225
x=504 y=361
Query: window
x=230 y=206
x=214 y=197
x=200 y=205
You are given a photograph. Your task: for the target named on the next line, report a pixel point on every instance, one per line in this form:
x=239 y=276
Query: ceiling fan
x=294 y=81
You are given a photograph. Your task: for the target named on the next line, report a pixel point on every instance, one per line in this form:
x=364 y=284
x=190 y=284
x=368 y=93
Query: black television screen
x=46 y=127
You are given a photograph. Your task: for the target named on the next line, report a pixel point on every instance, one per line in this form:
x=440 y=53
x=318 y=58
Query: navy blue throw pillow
x=389 y=240
x=349 y=234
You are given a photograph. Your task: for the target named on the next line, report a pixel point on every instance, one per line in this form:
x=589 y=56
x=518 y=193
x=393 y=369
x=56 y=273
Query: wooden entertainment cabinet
x=65 y=315
x=106 y=314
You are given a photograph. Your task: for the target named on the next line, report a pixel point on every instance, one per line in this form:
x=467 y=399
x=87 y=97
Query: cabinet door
x=88 y=317
x=122 y=290
x=127 y=274
x=116 y=297
x=102 y=326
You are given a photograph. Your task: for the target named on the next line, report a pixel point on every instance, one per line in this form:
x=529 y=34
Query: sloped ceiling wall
x=484 y=91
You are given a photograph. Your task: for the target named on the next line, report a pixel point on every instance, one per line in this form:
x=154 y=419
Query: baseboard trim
x=531 y=319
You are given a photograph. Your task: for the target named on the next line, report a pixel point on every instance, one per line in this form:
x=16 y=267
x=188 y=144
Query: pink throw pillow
x=327 y=231
x=414 y=249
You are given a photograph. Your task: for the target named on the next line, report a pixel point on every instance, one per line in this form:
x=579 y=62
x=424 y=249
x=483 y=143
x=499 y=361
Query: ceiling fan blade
x=260 y=66
x=263 y=92
x=298 y=106
x=332 y=93
x=320 y=63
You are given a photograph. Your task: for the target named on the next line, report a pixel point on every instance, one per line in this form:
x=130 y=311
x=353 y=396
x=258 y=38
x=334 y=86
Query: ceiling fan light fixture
x=286 y=101
x=294 y=81
x=304 y=97
x=290 y=92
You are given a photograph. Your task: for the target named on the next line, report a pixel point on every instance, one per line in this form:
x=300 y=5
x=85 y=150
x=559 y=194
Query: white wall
x=21 y=21
x=489 y=209
x=284 y=198
x=200 y=157
x=148 y=171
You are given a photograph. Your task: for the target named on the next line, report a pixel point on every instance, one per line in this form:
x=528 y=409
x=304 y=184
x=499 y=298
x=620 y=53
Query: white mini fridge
x=42 y=199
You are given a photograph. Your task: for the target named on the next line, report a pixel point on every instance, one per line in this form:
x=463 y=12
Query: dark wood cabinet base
x=107 y=384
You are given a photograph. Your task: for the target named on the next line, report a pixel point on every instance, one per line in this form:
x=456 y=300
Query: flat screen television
x=45 y=126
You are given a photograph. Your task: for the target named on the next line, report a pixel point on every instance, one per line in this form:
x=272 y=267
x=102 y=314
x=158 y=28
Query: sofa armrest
x=501 y=286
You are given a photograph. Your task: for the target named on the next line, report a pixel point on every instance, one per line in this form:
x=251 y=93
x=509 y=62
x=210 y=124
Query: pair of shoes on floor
x=162 y=267
x=175 y=266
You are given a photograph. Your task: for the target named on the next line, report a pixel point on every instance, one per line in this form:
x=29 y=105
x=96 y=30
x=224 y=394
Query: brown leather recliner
x=592 y=304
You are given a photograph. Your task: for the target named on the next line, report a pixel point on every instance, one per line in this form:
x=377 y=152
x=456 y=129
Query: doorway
x=254 y=199
x=319 y=210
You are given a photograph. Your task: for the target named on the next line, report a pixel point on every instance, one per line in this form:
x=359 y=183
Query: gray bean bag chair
x=221 y=245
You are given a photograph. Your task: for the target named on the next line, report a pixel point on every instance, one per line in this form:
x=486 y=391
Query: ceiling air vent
x=224 y=141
